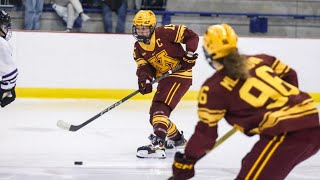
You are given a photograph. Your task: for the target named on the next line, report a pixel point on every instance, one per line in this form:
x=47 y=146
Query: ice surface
x=32 y=147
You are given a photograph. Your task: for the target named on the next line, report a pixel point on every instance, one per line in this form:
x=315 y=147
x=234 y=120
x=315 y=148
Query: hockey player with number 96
x=156 y=51
x=259 y=95
x=8 y=70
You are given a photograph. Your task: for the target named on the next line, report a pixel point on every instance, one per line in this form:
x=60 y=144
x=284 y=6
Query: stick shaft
x=224 y=137
x=77 y=127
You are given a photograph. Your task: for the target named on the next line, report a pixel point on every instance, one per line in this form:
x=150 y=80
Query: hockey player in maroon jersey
x=258 y=94
x=156 y=51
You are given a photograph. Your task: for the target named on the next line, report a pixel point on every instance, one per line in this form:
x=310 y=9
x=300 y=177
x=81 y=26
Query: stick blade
x=63 y=125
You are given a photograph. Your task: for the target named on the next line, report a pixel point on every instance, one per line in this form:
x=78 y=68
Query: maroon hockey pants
x=273 y=157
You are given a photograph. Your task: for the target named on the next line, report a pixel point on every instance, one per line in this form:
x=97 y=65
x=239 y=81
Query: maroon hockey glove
x=182 y=167
x=190 y=58
x=145 y=86
x=7 y=96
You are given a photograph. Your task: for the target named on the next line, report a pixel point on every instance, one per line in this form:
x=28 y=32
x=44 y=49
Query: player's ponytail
x=235 y=65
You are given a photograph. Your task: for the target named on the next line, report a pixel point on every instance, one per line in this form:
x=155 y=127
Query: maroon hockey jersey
x=165 y=51
x=268 y=102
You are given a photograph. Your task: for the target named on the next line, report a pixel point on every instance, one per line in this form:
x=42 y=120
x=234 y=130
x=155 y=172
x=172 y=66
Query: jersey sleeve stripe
x=284 y=72
x=141 y=62
x=9 y=80
x=279 y=67
x=212 y=111
x=10 y=74
x=176 y=38
x=208 y=123
x=210 y=117
x=180 y=33
x=275 y=63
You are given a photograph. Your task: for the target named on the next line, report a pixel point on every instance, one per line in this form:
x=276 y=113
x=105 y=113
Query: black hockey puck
x=78 y=163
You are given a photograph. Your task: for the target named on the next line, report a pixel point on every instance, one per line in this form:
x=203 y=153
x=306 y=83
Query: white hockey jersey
x=8 y=69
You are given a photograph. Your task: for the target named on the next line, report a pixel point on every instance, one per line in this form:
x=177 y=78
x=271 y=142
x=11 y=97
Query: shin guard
x=159 y=118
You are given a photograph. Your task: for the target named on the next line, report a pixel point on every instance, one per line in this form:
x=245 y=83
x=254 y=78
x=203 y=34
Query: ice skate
x=154 y=150
x=177 y=144
x=85 y=18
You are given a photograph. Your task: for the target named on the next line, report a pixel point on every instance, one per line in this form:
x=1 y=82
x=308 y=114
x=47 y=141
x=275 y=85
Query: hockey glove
x=190 y=58
x=7 y=96
x=182 y=167
x=145 y=86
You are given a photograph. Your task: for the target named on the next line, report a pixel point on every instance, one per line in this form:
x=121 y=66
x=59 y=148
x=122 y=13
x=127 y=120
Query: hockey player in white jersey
x=8 y=70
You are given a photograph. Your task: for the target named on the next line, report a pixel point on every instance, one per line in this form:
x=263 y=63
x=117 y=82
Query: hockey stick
x=220 y=141
x=69 y=127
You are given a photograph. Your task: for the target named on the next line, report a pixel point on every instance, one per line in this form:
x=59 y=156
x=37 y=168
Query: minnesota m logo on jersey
x=162 y=62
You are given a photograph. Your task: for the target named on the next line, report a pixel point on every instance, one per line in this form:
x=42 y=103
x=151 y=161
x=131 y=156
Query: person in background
x=259 y=95
x=120 y=7
x=156 y=51
x=8 y=69
x=32 y=14
x=70 y=13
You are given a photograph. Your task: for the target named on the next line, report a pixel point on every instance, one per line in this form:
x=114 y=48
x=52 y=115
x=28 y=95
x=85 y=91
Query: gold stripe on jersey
x=284 y=72
x=279 y=67
x=229 y=83
x=209 y=116
x=182 y=74
x=141 y=61
x=151 y=46
x=271 y=119
x=275 y=63
x=180 y=34
x=172 y=129
x=162 y=119
x=266 y=155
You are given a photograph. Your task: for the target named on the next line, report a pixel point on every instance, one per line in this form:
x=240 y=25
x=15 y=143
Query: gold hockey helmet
x=219 y=41
x=144 y=18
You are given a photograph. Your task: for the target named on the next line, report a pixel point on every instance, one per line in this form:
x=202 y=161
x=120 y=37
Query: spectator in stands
x=153 y=4
x=137 y=4
x=120 y=7
x=71 y=13
x=33 y=11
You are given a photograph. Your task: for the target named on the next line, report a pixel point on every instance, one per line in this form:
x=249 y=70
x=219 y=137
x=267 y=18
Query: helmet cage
x=209 y=57
x=6 y=31
x=144 y=18
x=5 y=25
x=143 y=39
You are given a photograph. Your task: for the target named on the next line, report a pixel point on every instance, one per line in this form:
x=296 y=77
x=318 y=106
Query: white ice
x=33 y=148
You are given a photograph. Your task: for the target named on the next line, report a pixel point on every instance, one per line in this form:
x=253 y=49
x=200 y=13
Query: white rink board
x=84 y=60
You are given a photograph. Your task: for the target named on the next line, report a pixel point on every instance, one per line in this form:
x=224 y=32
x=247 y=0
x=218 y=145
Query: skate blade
x=178 y=148
x=159 y=154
